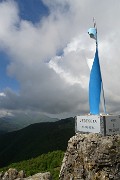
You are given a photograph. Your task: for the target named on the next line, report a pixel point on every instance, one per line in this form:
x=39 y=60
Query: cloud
x=49 y=58
x=66 y=65
x=2 y=94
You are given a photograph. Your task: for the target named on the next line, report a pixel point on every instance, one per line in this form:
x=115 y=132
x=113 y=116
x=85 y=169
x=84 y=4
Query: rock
x=21 y=174
x=40 y=176
x=5 y=176
x=13 y=174
x=1 y=175
x=91 y=157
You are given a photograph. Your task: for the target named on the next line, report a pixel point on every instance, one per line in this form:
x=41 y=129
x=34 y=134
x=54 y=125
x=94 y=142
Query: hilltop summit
x=92 y=157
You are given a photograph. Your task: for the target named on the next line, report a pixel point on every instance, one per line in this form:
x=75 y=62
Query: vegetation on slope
x=46 y=162
x=35 y=140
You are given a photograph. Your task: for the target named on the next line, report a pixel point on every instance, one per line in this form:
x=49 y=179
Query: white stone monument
x=94 y=122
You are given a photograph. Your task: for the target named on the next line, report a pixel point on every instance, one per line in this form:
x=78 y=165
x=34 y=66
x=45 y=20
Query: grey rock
x=5 y=176
x=91 y=157
x=21 y=174
x=1 y=175
x=40 y=176
x=13 y=174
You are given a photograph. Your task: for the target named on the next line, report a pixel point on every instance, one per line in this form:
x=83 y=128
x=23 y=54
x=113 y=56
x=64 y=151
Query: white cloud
x=2 y=94
x=64 y=86
x=66 y=64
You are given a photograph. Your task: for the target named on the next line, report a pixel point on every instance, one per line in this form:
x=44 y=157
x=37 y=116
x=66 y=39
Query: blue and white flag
x=95 y=77
x=93 y=33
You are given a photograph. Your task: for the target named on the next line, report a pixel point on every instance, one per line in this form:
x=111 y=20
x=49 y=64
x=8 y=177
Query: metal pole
x=103 y=94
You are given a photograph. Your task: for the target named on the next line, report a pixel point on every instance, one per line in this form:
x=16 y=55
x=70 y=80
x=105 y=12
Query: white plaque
x=103 y=124
x=88 y=123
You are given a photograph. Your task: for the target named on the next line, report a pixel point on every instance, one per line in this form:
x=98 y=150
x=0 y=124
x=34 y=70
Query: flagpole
x=104 y=99
x=103 y=94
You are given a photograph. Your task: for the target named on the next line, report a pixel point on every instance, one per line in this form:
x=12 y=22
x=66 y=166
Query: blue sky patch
x=5 y=80
x=32 y=10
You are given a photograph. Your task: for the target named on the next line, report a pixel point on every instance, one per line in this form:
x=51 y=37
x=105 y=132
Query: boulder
x=40 y=176
x=21 y=174
x=92 y=157
x=13 y=174
x=1 y=175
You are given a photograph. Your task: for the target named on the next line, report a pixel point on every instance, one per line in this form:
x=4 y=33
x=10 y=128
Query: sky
x=44 y=47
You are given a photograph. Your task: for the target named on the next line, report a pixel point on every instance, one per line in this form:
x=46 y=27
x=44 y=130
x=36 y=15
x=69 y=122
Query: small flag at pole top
x=93 y=31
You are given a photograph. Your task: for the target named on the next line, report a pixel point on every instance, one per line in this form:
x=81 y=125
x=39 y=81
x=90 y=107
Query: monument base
x=103 y=124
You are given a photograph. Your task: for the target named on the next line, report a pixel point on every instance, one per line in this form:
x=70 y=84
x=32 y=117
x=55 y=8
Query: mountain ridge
x=17 y=120
x=34 y=140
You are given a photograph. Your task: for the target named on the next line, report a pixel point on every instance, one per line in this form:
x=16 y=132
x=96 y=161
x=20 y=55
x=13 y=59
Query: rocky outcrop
x=92 y=157
x=40 y=176
x=13 y=174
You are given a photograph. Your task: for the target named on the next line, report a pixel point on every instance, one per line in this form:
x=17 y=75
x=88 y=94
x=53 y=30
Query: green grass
x=46 y=162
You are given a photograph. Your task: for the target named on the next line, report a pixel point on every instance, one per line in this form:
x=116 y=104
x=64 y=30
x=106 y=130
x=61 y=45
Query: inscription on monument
x=88 y=123
x=104 y=124
x=112 y=125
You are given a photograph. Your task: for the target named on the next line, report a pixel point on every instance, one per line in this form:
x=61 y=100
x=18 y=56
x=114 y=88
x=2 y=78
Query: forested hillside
x=46 y=162
x=34 y=140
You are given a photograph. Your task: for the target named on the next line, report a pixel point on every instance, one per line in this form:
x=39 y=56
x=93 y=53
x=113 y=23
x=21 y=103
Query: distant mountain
x=35 y=140
x=14 y=121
